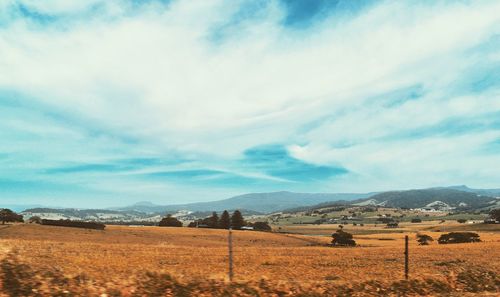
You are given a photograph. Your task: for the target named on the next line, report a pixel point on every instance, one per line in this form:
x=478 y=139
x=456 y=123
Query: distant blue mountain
x=258 y=202
x=483 y=192
x=278 y=201
x=19 y=207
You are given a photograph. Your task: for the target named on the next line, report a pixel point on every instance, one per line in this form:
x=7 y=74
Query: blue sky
x=110 y=102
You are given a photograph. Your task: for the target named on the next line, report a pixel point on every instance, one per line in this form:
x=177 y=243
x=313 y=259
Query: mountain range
x=257 y=202
x=444 y=198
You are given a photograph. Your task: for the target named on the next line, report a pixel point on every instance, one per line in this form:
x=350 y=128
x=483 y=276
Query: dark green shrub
x=424 y=239
x=261 y=226
x=170 y=221
x=7 y=215
x=392 y=225
x=342 y=238
x=35 y=220
x=459 y=237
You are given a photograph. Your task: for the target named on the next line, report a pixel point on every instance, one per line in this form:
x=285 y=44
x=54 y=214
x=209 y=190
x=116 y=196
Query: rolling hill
x=483 y=192
x=431 y=198
x=445 y=198
x=257 y=202
x=100 y=215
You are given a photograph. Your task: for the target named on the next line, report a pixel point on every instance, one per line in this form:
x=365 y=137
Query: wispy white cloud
x=374 y=89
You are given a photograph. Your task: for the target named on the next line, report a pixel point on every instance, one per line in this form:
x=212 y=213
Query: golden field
x=141 y=261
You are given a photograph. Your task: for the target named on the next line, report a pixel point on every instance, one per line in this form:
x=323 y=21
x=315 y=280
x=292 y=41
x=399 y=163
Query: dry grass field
x=152 y=261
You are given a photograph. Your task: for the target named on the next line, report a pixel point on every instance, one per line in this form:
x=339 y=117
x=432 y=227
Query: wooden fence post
x=230 y=247
x=406 y=257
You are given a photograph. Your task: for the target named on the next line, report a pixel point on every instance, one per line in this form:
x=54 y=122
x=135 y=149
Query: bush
x=393 y=225
x=74 y=224
x=459 y=237
x=416 y=220
x=170 y=221
x=342 y=238
x=461 y=221
x=35 y=220
x=424 y=239
x=7 y=215
x=261 y=226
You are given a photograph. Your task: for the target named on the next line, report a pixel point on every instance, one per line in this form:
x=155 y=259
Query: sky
x=110 y=102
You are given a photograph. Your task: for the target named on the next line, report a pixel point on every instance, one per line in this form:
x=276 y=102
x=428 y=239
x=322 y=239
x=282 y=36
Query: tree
x=459 y=237
x=7 y=215
x=495 y=214
x=35 y=220
x=213 y=221
x=261 y=226
x=461 y=221
x=170 y=221
x=342 y=238
x=237 y=220
x=225 y=220
x=424 y=239
x=416 y=220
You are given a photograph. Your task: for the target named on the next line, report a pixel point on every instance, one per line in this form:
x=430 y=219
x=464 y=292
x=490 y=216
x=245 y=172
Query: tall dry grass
x=124 y=261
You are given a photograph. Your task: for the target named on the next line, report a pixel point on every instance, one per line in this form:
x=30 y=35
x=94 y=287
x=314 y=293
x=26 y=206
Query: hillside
x=457 y=197
x=100 y=215
x=257 y=202
x=431 y=198
x=483 y=192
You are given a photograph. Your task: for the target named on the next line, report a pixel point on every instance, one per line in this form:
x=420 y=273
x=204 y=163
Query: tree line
x=74 y=224
x=225 y=221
